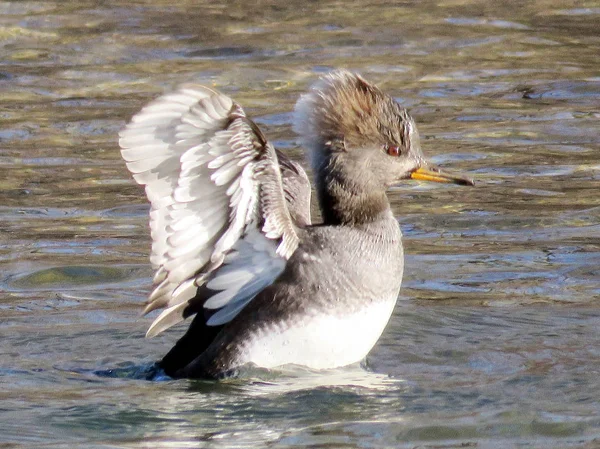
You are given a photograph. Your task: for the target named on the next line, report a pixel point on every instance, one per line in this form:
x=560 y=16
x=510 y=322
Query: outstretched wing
x=218 y=203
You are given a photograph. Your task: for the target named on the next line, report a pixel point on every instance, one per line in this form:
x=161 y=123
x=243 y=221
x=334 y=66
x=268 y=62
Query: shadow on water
x=150 y=372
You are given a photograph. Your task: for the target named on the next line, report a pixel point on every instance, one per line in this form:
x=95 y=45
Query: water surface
x=494 y=342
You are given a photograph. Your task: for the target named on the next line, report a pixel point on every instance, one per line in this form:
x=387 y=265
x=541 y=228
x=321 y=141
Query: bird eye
x=393 y=150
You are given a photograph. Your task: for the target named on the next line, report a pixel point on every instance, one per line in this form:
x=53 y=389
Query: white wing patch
x=211 y=178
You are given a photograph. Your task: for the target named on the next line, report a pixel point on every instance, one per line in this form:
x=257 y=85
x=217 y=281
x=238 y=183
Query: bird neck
x=346 y=200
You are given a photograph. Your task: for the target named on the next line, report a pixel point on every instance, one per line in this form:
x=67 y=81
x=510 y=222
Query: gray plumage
x=233 y=242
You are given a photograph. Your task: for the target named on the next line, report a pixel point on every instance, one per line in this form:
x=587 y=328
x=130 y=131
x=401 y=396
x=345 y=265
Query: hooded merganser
x=232 y=239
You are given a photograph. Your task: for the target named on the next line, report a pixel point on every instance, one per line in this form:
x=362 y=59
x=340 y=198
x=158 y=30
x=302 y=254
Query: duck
x=234 y=245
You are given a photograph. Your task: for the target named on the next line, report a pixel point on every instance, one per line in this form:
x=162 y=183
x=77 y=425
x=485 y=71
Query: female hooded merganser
x=232 y=239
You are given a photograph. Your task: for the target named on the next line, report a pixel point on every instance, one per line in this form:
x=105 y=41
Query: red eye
x=393 y=150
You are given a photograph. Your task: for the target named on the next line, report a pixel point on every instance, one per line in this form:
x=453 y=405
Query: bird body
x=233 y=242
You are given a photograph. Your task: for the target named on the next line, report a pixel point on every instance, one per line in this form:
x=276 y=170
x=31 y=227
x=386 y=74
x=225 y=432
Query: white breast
x=319 y=341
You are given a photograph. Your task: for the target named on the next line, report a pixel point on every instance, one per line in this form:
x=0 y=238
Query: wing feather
x=222 y=213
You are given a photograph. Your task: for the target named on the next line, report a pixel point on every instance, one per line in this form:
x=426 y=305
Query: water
x=494 y=343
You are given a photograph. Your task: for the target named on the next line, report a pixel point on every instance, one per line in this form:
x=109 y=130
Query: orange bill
x=434 y=174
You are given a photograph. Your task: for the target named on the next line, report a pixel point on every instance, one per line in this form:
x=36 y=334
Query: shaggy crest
x=343 y=111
